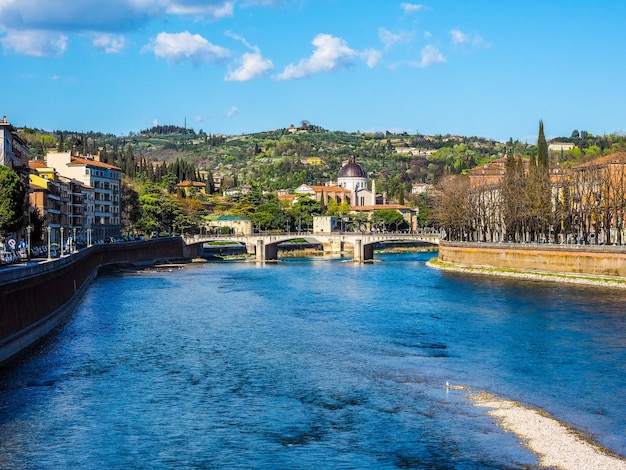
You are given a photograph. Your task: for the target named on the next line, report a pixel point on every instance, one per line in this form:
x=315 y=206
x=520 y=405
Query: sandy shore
x=531 y=275
x=557 y=445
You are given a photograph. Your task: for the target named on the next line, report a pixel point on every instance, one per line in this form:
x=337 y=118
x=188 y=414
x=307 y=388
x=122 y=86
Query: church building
x=353 y=177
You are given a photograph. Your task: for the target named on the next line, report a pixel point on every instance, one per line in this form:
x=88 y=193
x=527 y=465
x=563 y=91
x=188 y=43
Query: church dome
x=352 y=170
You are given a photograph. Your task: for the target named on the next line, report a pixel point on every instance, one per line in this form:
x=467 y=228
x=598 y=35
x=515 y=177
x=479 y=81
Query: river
x=312 y=363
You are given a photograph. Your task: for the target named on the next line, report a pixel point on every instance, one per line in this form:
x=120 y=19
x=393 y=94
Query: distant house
x=311 y=161
x=560 y=146
x=189 y=187
x=420 y=188
x=245 y=189
x=238 y=225
x=413 y=151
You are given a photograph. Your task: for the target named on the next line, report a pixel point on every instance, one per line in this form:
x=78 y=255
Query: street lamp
x=89 y=237
x=61 y=241
x=74 y=241
x=29 y=229
x=49 y=246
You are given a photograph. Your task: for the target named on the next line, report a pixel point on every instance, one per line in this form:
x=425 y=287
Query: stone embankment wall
x=570 y=259
x=34 y=298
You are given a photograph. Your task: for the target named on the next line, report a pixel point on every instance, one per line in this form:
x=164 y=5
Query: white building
x=560 y=146
x=102 y=215
x=353 y=177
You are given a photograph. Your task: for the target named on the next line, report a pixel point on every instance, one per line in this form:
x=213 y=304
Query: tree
x=302 y=212
x=386 y=219
x=131 y=210
x=12 y=201
x=158 y=209
x=542 y=148
x=452 y=209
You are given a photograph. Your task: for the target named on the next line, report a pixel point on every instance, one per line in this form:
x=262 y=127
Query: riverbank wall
x=37 y=297
x=588 y=260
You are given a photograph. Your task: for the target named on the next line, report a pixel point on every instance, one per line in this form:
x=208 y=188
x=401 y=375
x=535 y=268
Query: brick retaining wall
x=570 y=259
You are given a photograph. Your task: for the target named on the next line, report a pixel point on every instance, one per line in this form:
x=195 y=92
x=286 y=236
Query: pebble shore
x=557 y=445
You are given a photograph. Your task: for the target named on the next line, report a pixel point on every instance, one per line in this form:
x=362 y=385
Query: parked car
x=6 y=257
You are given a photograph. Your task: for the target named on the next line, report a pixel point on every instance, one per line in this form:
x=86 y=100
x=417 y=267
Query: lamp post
x=29 y=229
x=49 y=246
x=61 y=241
x=74 y=241
x=89 y=237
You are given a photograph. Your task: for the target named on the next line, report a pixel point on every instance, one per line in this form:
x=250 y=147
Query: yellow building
x=192 y=187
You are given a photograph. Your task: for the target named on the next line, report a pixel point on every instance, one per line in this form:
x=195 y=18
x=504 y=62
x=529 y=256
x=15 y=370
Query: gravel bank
x=556 y=445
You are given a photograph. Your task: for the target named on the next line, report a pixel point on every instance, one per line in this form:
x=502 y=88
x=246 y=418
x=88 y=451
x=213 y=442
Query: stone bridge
x=265 y=246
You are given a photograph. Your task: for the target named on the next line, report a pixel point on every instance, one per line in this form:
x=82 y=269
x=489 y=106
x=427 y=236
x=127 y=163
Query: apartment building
x=100 y=210
x=14 y=151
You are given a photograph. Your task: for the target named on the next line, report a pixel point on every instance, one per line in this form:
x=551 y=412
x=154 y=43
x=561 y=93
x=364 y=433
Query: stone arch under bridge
x=265 y=246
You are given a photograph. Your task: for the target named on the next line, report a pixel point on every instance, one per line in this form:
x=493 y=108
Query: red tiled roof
x=37 y=164
x=617 y=157
x=185 y=184
x=86 y=161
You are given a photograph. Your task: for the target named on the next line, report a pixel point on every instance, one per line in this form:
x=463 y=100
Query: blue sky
x=485 y=68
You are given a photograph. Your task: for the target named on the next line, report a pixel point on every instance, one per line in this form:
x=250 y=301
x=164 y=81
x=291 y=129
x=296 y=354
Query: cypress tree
x=542 y=148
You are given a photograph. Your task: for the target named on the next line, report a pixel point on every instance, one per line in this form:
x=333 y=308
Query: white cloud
x=178 y=47
x=232 y=111
x=331 y=53
x=110 y=43
x=430 y=56
x=411 y=7
x=253 y=65
x=389 y=39
x=372 y=57
x=35 y=43
x=458 y=37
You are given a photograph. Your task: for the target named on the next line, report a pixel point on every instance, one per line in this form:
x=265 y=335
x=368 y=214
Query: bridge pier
x=192 y=251
x=266 y=252
x=362 y=252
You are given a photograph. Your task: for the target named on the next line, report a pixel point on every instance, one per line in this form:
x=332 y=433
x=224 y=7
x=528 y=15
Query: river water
x=312 y=363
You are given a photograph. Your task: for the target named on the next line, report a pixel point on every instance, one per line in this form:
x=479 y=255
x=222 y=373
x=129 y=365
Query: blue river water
x=312 y=363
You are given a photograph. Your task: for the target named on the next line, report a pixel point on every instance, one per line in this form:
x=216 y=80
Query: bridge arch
x=265 y=246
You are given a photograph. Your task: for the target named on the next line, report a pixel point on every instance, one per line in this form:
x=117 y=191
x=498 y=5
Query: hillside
x=286 y=158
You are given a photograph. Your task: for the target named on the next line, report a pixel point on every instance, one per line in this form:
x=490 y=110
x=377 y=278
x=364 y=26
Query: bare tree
x=452 y=209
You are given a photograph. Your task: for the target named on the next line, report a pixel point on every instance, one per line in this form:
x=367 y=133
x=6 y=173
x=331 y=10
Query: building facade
x=101 y=214
x=14 y=151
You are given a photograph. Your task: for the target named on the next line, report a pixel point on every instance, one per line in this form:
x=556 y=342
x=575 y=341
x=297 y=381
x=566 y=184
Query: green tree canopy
x=12 y=201
x=388 y=219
